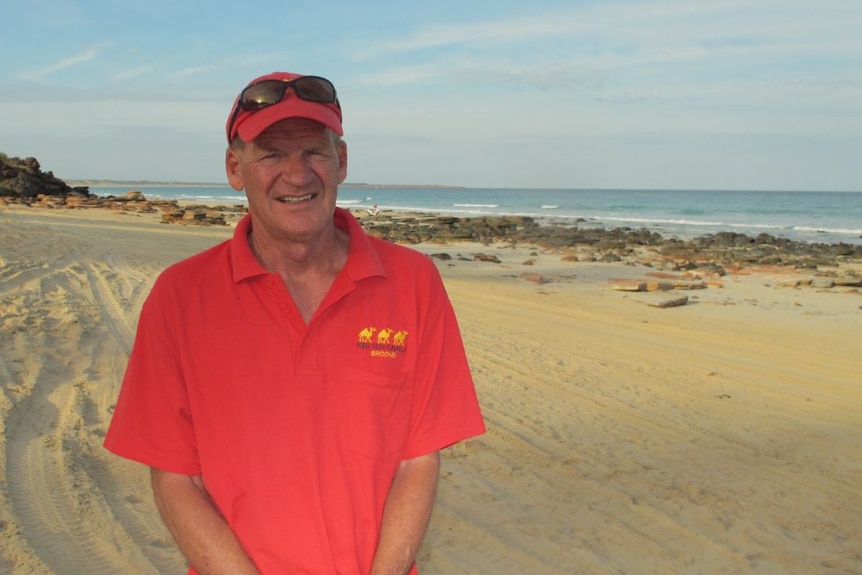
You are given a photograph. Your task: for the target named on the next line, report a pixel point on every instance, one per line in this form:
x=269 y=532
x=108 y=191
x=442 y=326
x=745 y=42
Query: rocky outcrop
x=22 y=181
x=710 y=254
x=200 y=215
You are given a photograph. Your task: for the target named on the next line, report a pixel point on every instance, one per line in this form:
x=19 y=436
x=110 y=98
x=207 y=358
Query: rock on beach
x=22 y=182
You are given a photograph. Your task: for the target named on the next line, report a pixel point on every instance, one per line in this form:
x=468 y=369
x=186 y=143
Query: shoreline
x=811 y=225
x=722 y=252
x=812 y=221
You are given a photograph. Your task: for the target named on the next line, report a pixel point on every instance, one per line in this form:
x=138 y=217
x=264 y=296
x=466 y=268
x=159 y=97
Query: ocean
x=825 y=217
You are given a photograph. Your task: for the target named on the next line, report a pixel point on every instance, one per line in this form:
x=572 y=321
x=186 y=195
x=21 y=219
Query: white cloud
x=131 y=73
x=85 y=118
x=185 y=73
x=64 y=63
x=631 y=34
x=403 y=75
x=669 y=66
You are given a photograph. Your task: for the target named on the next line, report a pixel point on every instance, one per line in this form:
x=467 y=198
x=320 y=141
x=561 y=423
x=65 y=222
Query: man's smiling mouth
x=295 y=199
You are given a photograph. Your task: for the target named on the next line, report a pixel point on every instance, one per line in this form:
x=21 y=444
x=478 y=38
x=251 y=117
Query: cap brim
x=250 y=125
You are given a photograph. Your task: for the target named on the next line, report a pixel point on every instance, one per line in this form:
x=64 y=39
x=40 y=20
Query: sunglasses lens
x=271 y=92
x=262 y=94
x=314 y=89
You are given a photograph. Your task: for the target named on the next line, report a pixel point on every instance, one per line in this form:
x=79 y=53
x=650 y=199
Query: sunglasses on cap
x=267 y=93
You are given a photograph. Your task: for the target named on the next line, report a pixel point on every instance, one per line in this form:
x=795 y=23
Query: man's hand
x=406 y=515
x=200 y=531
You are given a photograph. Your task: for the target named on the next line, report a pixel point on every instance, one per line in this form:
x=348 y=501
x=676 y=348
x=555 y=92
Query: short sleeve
x=446 y=408
x=152 y=422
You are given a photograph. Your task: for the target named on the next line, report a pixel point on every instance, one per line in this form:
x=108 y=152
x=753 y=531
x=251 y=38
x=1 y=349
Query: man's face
x=290 y=174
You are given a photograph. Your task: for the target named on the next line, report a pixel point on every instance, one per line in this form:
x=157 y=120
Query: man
x=290 y=388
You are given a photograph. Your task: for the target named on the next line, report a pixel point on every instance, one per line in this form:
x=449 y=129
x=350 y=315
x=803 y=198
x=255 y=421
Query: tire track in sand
x=53 y=488
x=110 y=309
x=117 y=291
x=57 y=512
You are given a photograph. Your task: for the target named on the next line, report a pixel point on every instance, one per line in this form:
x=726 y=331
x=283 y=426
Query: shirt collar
x=243 y=263
x=363 y=261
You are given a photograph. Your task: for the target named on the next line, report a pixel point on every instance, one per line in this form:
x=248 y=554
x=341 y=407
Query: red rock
x=534 y=278
x=637 y=286
x=676 y=302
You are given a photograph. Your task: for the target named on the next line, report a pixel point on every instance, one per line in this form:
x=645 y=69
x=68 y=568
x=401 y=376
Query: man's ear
x=342 y=161
x=232 y=168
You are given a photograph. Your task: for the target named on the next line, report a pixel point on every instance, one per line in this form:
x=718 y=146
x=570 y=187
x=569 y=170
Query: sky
x=655 y=94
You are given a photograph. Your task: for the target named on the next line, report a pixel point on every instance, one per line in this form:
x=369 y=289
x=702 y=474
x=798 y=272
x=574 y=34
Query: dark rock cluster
x=22 y=182
x=487 y=229
x=616 y=244
x=200 y=215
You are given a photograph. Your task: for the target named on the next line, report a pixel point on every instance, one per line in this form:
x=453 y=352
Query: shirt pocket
x=375 y=412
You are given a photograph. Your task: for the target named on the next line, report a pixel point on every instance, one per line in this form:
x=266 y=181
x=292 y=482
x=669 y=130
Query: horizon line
x=98 y=182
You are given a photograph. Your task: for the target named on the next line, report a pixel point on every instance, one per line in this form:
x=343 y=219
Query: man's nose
x=296 y=170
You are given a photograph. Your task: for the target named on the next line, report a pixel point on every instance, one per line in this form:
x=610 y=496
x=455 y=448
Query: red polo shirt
x=296 y=429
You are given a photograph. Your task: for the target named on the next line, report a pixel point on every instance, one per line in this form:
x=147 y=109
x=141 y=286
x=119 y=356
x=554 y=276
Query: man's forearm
x=406 y=515
x=198 y=528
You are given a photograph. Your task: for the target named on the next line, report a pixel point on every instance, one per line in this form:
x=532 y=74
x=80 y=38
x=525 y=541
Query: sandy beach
x=719 y=437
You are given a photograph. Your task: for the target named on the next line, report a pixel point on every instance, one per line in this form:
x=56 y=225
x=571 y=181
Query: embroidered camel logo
x=383 y=336
x=365 y=334
x=400 y=337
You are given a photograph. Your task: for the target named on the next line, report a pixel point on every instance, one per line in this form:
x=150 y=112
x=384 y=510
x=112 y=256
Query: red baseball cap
x=249 y=125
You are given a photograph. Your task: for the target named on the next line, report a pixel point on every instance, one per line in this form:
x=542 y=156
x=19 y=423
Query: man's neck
x=327 y=251
x=306 y=268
